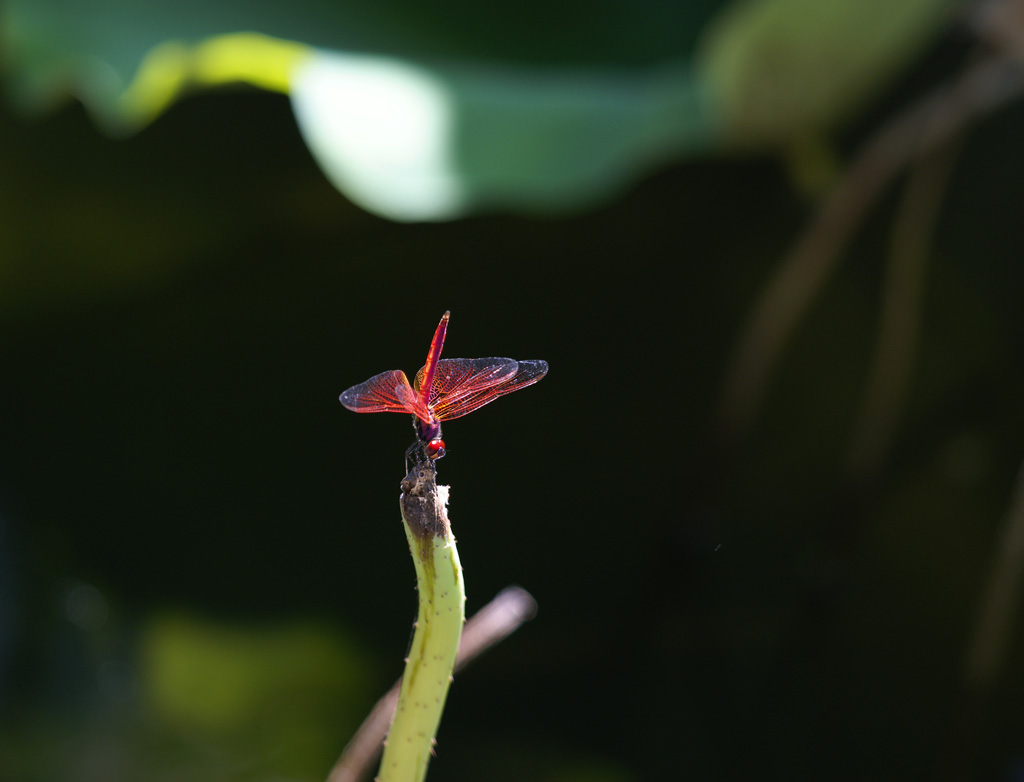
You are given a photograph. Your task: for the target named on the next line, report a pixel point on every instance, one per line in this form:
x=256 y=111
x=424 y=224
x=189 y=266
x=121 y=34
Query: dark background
x=180 y=310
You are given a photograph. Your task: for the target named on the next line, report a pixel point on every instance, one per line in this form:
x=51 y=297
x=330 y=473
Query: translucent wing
x=388 y=392
x=470 y=383
x=456 y=377
x=410 y=399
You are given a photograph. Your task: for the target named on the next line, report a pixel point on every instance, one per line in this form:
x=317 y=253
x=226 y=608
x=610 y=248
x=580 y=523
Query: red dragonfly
x=443 y=389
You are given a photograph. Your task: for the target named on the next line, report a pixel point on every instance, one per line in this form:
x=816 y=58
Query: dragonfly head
x=435 y=448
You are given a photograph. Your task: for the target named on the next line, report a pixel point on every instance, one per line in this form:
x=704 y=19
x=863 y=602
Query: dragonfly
x=445 y=388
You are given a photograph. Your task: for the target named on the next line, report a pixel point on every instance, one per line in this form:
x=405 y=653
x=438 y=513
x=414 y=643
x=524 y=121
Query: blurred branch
x=916 y=132
x=998 y=608
x=489 y=626
x=902 y=297
x=999 y=24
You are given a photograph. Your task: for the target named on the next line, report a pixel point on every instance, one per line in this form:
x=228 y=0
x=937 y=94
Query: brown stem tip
x=423 y=503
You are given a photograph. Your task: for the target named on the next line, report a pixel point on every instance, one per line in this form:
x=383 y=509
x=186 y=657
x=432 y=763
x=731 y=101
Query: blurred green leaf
x=784 y=69
x=295 y=692
x=422 y=114
x=433 y=143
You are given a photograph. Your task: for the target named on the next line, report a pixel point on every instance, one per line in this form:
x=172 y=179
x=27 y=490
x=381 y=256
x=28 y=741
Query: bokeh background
x=203 y=574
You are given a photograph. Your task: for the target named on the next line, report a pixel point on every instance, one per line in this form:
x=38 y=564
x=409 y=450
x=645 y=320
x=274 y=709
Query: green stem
x=442 y=598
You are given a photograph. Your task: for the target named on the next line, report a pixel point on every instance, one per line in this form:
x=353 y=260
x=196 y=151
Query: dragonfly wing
x=410 y=399
x=498 y=376
x=457 y=377
x=388 y=392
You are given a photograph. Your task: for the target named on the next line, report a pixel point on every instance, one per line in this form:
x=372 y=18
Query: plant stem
x=980 y=89
x=442 y=600
x=491 y=625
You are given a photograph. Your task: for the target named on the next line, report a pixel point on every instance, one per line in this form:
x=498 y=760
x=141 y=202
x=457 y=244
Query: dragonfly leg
x=415 y=452
x=424 y=453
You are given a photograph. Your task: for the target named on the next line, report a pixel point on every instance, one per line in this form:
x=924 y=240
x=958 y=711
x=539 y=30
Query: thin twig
x=489 y=626
x=919 y=130
x=998 y=607
x=902 y=306
x=997 y=612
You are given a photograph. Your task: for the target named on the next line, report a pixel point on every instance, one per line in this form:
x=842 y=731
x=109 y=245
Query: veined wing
x=388 y=392
x=456 y=377
x=483 y=380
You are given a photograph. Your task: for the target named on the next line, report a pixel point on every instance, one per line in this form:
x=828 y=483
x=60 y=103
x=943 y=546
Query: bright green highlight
x=270 y=696
x=428 y=669
x=170 y=68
